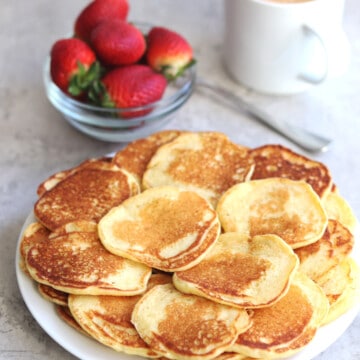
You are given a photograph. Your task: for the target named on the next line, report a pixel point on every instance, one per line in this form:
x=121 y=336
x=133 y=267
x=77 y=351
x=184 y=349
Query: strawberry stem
x=98 y=95
x=81 y=81
x=167 y=70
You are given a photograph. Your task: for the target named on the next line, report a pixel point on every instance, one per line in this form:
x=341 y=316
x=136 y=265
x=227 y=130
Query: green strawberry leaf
x=168 y=70
x=98 y=95
x=81 y=81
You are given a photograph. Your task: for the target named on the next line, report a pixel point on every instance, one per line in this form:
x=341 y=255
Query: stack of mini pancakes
x=185 y=245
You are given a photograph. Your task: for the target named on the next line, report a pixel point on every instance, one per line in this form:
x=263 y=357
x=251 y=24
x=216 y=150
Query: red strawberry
x=129 y=86
x=97 y=11
x=117 y=42
x=73 y=65
x=168 y=52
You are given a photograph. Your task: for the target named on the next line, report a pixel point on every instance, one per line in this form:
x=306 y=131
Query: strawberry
x=73 y=66
x=168 y=52
x=117 y=42
x=97 y=11
x=129 y=86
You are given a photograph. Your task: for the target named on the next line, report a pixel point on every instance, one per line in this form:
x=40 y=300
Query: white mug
x=284 y=46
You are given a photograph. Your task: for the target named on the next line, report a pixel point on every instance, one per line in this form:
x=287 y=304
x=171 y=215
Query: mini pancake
x=166 y=228
x=336 y=244
x=242 y=271
x=54 y=179
x=33 y=233
x=87 y=194
x=224 y=356
x=136 y=155
x=279 y=161
x=296 y=345
x=285 y=327
x=287 y=208
x=182 y=326
x=341 y=285
x=232 y=356
x=55 y=296
x=107 y=319
x=208 y=163
x=78 y=263
x=339 y=209
x=75 y=226
x=65 y=314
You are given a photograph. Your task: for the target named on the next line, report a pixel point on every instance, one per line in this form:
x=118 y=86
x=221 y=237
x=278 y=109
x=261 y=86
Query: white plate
x=86 y=348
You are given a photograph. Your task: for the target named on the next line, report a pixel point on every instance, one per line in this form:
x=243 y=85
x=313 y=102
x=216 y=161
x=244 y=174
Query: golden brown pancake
x=65 y=314
x=285 y=327
x=34 y=232
x=287 y=208
x=55 y=296
x=50 y=182
x=208 y=163
x=166 y=228
x=242 y=271
x=232 y=356
x=54 y=179
x=75 y=226
x=224 y=356
x=136 y=155
x=336 y=244
x=339 y=209
x=107 y=319
x=279 y=161
x=182 y=326
x=341 y=285
x=87 y=194
x=78 y=263
x=296 y=345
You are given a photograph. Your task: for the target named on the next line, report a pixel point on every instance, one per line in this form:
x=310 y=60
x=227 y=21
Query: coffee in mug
x=284 y=46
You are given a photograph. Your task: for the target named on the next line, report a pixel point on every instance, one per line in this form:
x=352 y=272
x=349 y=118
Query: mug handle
x=334 y=53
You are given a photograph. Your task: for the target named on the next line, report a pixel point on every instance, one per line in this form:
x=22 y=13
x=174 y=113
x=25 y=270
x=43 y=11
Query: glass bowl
x=106 y=124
